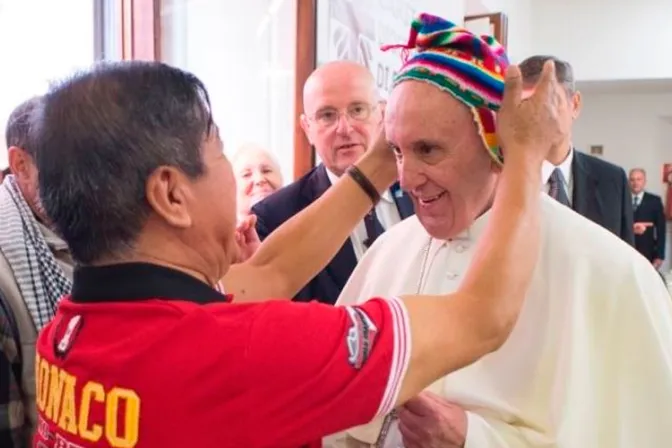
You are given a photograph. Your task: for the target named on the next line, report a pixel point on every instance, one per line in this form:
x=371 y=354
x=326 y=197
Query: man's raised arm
x=300 y=248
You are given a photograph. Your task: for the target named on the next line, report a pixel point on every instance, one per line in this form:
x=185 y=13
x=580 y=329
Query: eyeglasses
x=329 y=116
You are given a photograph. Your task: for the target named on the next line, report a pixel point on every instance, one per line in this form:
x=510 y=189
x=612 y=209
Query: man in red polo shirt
x=147 y=353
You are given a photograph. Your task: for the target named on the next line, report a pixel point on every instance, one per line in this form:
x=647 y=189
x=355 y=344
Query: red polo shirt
x=145 y=356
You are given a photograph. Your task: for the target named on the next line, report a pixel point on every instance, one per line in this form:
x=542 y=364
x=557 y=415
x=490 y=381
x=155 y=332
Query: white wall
x=631 y=128
x=634 y=134
x=453 y=10
x=519 y=30
x=603 y=40
x=606 y=40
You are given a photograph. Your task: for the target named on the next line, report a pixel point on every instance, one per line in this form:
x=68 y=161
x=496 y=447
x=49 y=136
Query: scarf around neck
x=38 y=276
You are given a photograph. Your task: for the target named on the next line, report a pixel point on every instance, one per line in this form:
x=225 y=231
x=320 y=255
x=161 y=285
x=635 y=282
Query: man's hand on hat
x=529 y=125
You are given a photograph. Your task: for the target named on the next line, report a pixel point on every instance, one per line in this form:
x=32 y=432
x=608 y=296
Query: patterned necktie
x=635 y=202
x=373 y=228
x=556 y=187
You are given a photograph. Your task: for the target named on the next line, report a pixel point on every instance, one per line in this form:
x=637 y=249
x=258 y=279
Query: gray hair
x=19 y=125
x=532 y=67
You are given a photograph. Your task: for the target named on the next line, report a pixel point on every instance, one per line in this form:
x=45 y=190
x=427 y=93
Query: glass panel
x=109 y=30
x=245 y=55
x=42 y=49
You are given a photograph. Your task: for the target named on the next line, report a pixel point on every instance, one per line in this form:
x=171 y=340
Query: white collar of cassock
x=474 y=232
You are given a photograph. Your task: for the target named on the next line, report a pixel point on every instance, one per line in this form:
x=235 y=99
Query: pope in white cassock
x=589 y=363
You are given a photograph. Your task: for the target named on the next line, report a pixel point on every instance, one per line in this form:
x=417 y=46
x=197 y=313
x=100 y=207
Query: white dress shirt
x=565 y=168
x=387 y=213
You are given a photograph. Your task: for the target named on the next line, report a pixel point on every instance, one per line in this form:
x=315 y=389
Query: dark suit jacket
x=602 y=194
x=651 y=243
x=290 y=200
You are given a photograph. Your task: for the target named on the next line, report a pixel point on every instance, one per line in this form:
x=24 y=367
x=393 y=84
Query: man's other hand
x=247 y=238
x=429 y=421
x=657 y=263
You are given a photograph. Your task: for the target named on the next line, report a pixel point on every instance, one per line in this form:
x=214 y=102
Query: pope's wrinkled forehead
x=410 y=100
x=420 y=112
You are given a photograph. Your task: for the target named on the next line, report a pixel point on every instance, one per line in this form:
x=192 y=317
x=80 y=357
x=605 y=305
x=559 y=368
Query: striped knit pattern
x=469 y=67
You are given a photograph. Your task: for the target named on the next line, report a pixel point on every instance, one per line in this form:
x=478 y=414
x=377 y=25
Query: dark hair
x=19 y=124
x=532 y=67
x=101 y=134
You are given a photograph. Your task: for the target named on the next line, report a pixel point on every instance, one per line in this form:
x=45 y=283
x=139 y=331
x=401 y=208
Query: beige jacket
x=24 y=321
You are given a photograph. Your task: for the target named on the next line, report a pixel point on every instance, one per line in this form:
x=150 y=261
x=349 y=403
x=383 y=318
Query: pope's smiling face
x=442 y=161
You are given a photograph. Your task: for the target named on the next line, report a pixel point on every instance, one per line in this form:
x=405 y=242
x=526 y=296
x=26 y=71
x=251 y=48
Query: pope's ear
x=495 y=167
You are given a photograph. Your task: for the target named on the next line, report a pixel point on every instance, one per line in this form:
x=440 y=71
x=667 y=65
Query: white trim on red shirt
x=401 y=355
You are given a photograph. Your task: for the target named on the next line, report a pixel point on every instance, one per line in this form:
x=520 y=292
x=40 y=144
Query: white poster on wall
x=356 y=29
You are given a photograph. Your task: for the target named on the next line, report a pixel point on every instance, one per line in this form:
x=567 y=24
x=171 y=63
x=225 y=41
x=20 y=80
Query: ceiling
x=635 y=86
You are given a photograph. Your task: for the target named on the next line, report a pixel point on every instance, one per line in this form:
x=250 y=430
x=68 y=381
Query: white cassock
x=588 y=364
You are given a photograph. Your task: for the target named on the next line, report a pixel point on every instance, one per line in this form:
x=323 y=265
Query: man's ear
x=20 y=162
x=577 y=104
x=305 y=125
x=383 y=105
x=167 y=194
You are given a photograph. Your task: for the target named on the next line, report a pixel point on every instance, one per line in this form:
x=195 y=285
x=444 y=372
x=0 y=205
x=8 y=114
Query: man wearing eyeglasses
x=343 y=113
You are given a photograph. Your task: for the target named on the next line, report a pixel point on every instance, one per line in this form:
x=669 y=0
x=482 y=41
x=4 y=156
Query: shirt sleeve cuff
x=401 y=355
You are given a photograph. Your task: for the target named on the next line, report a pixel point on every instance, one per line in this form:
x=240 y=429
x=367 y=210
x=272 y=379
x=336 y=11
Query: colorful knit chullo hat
x=469 y=67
